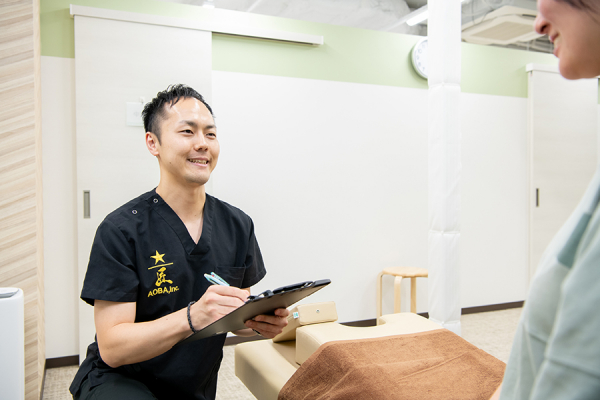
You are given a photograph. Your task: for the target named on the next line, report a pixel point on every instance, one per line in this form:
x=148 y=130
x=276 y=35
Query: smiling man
x=145 y=276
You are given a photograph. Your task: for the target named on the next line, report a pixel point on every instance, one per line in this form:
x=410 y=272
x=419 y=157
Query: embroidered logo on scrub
x=161 y=276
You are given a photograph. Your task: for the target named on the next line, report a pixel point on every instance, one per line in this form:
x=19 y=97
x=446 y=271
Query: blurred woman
x=556 y=351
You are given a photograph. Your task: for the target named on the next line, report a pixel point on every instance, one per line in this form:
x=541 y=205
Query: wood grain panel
x=21 y=239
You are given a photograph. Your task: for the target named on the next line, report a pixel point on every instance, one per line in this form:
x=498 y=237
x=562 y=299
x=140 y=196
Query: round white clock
x=418 y=56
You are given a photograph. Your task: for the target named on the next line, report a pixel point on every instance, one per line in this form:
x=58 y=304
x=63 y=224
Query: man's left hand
x=269 y=326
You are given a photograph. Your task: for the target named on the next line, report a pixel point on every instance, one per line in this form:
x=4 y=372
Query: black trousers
x=119 y=388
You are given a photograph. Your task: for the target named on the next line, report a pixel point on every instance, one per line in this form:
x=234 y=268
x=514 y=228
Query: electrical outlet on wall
x=134 y=113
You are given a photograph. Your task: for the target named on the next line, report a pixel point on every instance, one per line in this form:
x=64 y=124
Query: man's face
x=188 y=150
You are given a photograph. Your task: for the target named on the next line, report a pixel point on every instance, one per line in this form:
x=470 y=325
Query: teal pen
x=219 y=279
x=215 y=279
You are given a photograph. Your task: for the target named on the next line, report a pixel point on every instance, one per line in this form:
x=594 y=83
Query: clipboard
x=265 y=303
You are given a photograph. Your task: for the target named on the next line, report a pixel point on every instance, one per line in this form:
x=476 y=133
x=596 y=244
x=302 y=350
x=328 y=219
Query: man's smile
x=198 y=161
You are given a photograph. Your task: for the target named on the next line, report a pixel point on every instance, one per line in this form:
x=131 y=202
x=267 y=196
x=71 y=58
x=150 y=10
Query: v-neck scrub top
x=556 y=350
x=143 y=253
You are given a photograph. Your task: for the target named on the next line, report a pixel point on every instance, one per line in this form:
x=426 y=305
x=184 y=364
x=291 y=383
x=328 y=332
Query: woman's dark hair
x=590 y=5
x=155 y=110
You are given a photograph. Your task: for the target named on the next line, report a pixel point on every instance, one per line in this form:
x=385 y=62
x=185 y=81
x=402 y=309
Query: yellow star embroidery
x=158 y=257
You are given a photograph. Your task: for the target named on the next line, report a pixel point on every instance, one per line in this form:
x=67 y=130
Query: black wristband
x=190 y=318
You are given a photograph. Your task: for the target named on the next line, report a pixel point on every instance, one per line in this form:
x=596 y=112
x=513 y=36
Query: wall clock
x=418 y=56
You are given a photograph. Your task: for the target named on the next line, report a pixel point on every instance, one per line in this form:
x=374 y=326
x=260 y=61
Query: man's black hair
x=154 y=111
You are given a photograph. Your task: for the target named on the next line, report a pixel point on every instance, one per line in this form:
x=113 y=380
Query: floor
x=490 y=331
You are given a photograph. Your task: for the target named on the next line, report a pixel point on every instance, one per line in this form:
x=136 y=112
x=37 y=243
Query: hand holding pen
x=219 y=300
x=263 y=325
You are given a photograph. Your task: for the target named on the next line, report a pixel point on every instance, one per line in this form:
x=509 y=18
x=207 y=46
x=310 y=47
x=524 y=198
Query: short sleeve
x=255 y=267
x=571 y=367
x=111 y=274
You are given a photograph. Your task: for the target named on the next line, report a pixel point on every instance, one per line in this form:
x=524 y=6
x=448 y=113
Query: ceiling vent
x=503 y=26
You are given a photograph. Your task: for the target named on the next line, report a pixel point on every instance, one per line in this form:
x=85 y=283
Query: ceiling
x=381 y=15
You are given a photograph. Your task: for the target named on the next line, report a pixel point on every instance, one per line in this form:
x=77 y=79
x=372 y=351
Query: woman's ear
x=152 y=143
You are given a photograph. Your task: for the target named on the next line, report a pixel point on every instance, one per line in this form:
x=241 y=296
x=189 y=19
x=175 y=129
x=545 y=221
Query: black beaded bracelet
x=190 y=318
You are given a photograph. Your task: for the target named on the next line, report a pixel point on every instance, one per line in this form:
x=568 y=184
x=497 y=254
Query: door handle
x=86 y=204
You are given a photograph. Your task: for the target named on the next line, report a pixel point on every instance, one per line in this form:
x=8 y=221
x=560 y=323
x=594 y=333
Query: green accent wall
x=348 y=55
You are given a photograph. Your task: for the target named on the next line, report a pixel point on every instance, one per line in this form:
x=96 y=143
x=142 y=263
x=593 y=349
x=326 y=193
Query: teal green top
x=556 y=351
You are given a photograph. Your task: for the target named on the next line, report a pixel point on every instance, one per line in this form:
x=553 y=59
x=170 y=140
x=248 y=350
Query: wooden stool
x=401 y=272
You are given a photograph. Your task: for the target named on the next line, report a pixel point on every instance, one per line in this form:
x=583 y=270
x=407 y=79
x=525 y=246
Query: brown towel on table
x=427 y=365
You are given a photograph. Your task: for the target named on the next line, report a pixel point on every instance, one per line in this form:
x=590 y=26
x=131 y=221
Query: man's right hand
x=122 y=341
x=216 y=302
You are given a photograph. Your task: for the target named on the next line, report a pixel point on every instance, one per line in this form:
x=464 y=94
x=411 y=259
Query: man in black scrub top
x=145 y=277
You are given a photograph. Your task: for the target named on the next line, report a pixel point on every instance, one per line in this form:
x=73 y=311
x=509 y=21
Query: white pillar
x=444 y=29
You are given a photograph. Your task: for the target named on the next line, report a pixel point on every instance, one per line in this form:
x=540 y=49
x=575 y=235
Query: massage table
x=264 y=366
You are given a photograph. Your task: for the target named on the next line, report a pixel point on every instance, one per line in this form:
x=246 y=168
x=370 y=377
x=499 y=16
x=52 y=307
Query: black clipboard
x=265 y=303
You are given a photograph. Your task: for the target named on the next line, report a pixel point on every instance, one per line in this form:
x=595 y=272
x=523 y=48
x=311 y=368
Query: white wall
x=334 y=175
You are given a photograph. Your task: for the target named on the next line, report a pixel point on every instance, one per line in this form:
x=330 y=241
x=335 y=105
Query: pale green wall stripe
x=499 y=71
x=348 y=55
